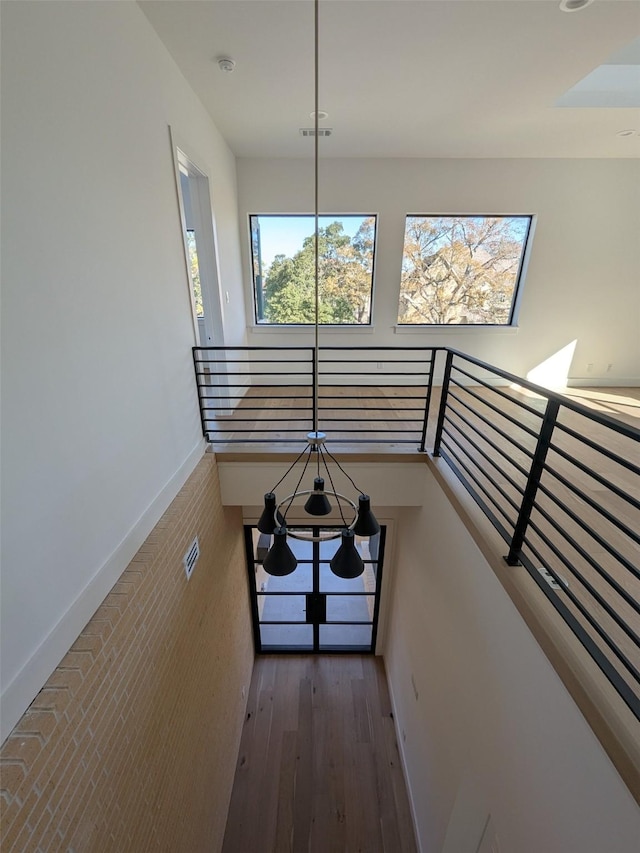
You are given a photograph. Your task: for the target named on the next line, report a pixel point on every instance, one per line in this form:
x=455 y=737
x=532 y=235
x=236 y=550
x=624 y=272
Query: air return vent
x=191 y=557
x=311 y=131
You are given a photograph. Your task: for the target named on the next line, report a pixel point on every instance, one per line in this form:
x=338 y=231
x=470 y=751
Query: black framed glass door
x=313 y=610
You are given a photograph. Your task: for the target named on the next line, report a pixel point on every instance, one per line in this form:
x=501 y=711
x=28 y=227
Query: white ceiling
x=404 y=78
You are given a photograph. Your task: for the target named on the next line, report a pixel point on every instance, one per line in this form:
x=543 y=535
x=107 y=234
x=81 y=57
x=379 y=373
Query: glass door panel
x=312 y=609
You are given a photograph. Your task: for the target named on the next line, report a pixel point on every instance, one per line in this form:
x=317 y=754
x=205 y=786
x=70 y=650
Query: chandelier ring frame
x=338 y=532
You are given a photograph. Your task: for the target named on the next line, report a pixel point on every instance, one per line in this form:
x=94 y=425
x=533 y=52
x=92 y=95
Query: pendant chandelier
x=280 y=559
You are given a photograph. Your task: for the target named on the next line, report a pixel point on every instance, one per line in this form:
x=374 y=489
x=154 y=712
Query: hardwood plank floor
x=318 y=768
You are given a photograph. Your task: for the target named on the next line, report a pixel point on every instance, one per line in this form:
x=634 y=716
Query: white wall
x=492 y=730
x=100 y=422
x=584 y=276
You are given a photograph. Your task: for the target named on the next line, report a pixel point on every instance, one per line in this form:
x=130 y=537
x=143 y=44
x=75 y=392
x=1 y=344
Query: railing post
x=533 y=481
x=199 y=390
x=427 y=403
x=443 y=403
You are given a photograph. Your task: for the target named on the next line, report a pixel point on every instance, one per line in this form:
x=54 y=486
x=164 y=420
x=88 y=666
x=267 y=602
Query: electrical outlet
x=590 y=367
x=609 y=366
x=379 y=365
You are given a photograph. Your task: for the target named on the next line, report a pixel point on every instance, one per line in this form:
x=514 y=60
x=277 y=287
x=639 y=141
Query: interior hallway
x=318 y=767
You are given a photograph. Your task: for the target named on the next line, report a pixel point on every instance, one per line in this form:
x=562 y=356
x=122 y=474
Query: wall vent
x=191 y=557
x=311 y=131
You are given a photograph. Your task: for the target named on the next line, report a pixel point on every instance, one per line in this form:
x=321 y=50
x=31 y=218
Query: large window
x=283 y=261
x=462 y=270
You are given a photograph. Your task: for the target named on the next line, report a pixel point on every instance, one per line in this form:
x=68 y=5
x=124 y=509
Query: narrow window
x=283 y=267
x=462 y=270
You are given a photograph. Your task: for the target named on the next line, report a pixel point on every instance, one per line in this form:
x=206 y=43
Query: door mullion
x=316 y=589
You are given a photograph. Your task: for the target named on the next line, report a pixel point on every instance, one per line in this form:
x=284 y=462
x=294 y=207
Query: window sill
x=455 y=330
x=260 y=329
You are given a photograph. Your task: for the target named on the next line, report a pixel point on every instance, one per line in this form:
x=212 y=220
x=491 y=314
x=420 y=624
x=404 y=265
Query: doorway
x=313 y=610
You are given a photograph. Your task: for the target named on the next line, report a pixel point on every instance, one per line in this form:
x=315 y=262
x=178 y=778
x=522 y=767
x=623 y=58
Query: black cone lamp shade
x=366 y=523
x=280 y=559
x=318 y=503
x=267 y=523
x=346 y=562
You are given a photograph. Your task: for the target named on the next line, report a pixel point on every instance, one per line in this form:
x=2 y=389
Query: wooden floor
x=318 y=767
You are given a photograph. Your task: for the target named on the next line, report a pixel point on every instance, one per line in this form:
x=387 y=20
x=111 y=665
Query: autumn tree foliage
x=345 y=277
x=460 y=269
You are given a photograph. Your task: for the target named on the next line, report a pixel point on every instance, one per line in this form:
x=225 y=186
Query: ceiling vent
x=311 y=131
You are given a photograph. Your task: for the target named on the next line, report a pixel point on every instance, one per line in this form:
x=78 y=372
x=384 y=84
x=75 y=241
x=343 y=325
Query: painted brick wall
x=132 y=743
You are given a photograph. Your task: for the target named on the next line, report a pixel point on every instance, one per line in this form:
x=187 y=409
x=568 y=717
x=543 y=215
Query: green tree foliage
x=460 y=269
x=195 y=273
x=345 y=275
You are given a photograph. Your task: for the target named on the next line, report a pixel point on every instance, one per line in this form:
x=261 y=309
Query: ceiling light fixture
x=280 y=559
x=574 y=5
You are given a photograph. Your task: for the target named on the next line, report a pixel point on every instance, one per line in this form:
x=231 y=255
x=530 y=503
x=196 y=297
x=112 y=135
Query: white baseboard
x=603 y=382
x=26 y=685
x=403 y=763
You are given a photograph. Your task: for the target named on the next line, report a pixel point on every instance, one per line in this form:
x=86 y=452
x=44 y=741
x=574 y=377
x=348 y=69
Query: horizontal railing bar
x=495 y=428
x=566 y=402
x=589 y=530
x=583 y=610
x=254 y=373
x=485 y=455
x=610 y=454
x=233 y=429
x=368 y=375
x=499 y=391
x=262 y=348
x=477 y=482
x=265 y=421
x=587 y=641
x=224 y=408
x=364 y=399
x=593 y=504
x=493 y=408
x=239 y=361
x=499 y=526
x=374 y=361
x=604 y=574
x=489 y=441
x=597 y=477
x=491 y=480
x=269 y=439
x=327 y=348
x=258 y=397
x=369 y=420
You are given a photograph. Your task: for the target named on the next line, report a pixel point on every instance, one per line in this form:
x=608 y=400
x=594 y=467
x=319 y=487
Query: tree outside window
x=462 y=270
x=283 y=262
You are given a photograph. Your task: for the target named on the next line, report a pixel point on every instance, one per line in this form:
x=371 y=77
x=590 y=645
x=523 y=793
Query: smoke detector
x=574 y=5
x=226 y=64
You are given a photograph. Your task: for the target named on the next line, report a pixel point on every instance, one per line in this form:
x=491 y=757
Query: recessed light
x=226 y=64
x=574 y=5
x=322 y=115
x=629 y=132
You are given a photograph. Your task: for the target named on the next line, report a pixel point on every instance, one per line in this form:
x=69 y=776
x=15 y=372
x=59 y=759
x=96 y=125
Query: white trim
x=22 y=690
x=454 y=329
x=403 y=764
x=275 y=329
x=603 y=381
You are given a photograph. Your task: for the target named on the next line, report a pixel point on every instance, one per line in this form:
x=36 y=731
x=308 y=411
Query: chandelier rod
x=317 y=233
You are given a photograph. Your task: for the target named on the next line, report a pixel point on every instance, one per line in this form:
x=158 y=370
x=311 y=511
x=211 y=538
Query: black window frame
x=519 y=278
x=264 y=324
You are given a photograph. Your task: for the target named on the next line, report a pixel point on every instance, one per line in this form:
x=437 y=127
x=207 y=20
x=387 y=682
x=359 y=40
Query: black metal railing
x=560 y=483
x=266 y=394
